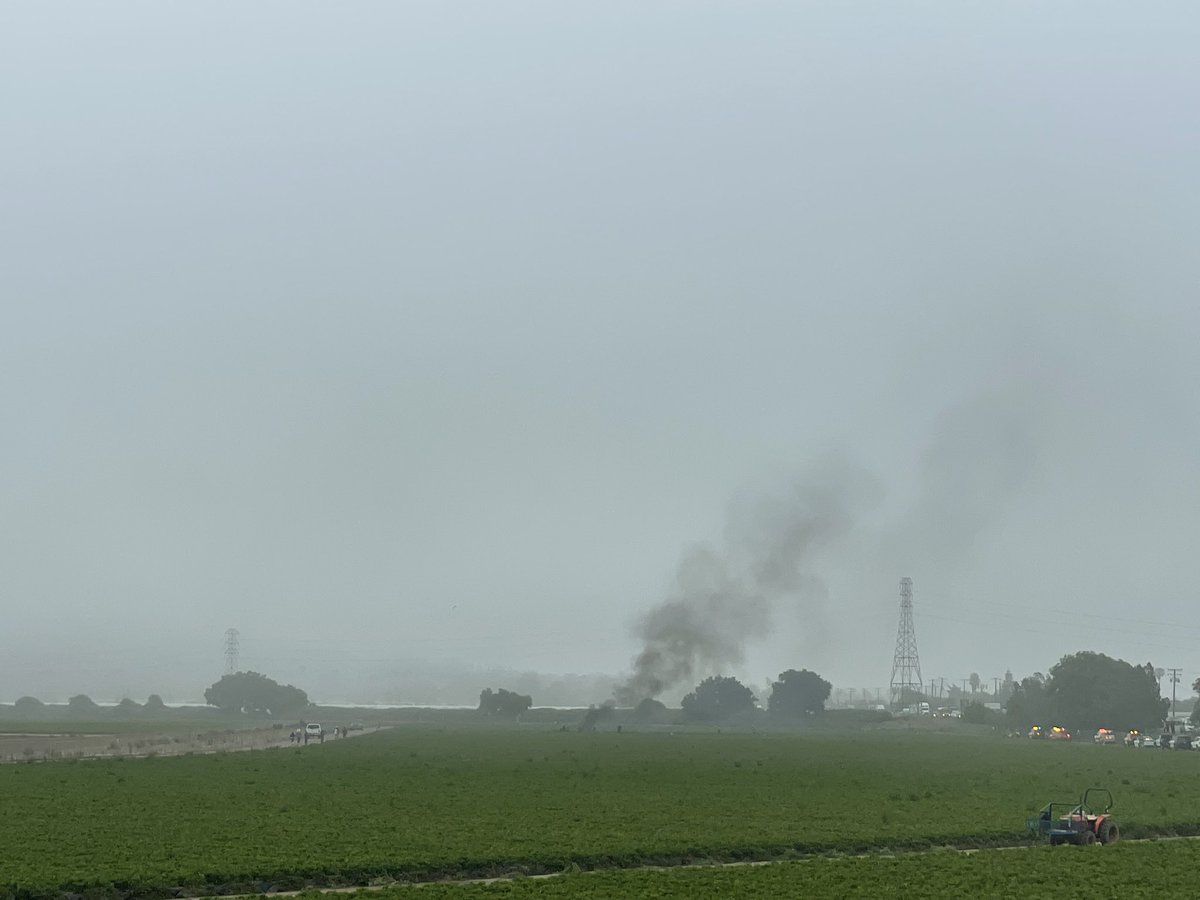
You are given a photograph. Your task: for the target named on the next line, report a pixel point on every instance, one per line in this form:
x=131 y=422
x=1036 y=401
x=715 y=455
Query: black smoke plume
x=724 y=598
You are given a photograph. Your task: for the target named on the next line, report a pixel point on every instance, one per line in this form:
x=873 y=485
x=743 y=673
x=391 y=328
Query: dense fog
x=431 y=345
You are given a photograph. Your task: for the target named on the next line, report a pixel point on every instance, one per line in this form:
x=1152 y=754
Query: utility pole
x=1175 y=673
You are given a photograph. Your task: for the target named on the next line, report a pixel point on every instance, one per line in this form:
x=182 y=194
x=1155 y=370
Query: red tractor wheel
x=1087 y=837
x=1109 y=833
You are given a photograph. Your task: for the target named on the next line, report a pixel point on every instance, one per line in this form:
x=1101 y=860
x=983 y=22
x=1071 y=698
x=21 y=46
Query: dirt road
x=16 y=748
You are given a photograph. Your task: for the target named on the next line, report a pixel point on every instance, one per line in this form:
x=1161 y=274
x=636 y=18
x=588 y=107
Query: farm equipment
x=1085 y=822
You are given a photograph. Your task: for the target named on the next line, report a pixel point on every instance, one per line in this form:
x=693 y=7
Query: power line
x=1075 y=614
x=1156 y=641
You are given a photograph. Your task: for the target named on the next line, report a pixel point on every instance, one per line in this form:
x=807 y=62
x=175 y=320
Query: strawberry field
x=1123 y=871
x=419 y=804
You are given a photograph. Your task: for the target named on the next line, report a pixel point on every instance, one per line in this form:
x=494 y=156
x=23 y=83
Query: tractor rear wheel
x=1109 y=833
x=1087 y=837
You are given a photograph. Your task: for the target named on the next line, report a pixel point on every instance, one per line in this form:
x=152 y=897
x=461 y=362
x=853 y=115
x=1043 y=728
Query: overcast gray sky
x=395 y=332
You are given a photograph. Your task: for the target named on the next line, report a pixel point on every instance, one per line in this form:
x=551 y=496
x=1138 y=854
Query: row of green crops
x=415 y=803
x=1122 y=871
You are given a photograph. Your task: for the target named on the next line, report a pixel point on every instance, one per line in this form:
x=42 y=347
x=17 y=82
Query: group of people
x=301 y=735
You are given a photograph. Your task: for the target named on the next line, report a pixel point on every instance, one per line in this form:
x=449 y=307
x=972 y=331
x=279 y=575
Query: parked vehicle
x=1182 y=742
x=1133 y=738
x=1058 y=733
x=1149 y=740
x=1105 y=736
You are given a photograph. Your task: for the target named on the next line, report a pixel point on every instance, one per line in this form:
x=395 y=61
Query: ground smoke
x=725 y=598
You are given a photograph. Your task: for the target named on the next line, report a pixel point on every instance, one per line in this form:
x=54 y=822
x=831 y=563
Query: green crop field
x=1123 y=871
x=418 y=803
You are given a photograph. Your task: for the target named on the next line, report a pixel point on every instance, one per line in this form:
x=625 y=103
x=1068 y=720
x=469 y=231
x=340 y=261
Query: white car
x=313 y=730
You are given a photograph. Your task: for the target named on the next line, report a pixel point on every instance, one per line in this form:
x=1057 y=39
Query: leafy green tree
x=255 y=694
x=503 y=704
x=720 y=698
x=1086 y=691
x=29 y=706
x=1194 y=718
x=650 y=710
x=127 y=707
x=797 y=695
x=81 y=705
x=974 y=679
x=1091 y=690
x=1029 y=704
x=975 y=713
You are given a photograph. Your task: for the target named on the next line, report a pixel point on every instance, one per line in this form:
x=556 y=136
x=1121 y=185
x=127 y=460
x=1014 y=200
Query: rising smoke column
x=726 y=597
x=701 y=627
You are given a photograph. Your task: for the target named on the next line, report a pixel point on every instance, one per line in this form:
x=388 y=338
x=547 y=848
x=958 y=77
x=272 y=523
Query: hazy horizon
x=411 y=338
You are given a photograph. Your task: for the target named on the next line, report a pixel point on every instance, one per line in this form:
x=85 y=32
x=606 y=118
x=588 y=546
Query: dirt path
x=713 y=864
x=16 y=748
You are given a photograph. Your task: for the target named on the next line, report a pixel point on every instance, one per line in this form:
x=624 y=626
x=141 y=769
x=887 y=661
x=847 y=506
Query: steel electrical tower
x=231 y=651
x=906 y=666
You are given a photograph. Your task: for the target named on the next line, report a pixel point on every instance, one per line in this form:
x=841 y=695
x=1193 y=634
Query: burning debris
x=597 y=715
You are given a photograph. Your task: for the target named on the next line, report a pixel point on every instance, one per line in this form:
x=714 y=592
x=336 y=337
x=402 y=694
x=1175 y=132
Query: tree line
x=1087 y=691
x=797 y=695
x=81 y=705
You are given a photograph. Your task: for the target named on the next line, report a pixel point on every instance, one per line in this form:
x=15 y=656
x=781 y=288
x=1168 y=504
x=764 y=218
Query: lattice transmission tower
x=231 y=651
x=906 y=666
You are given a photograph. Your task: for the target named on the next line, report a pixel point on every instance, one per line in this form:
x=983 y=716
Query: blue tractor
x=1085 y=822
